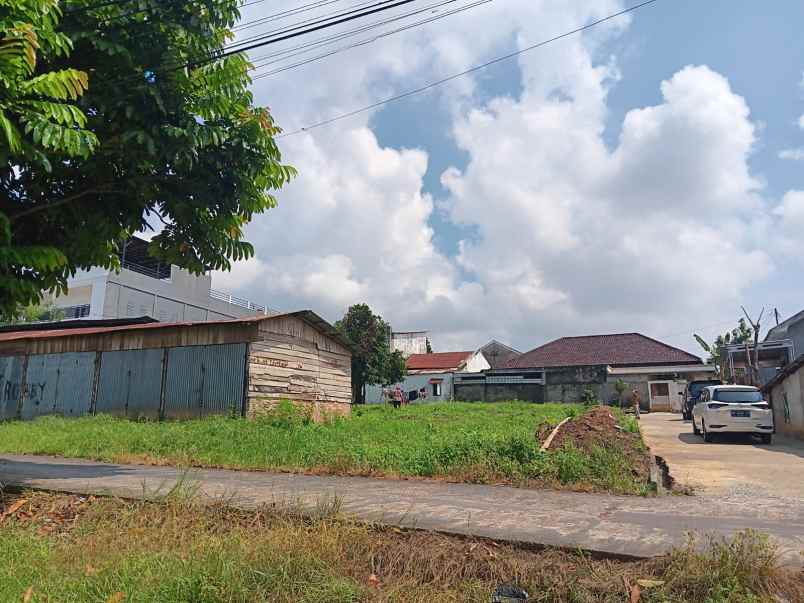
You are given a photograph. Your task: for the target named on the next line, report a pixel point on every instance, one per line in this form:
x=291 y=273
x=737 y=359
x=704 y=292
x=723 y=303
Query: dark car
x=691 y=394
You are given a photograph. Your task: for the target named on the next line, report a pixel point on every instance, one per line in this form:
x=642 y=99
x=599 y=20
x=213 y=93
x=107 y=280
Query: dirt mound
x=598 y=427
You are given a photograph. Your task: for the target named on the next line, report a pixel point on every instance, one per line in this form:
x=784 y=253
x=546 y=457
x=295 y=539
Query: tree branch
x=64 y=201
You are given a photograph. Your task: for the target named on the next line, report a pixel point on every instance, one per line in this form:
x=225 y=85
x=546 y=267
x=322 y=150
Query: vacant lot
x=484 y=443
x=68 y=548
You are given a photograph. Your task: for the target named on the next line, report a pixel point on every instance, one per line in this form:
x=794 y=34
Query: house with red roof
x=430 y=376
x=570 y=369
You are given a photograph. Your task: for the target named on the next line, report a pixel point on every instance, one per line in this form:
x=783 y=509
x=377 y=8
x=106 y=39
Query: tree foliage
x=180 y=146
x=40 y=124
x=718 y=355
x=373 y=362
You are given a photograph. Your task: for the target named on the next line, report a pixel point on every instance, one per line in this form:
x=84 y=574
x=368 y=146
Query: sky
x=646 y=175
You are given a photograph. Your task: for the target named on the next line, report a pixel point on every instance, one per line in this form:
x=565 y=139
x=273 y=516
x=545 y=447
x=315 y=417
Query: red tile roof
x=440 y=361
x=621 y=349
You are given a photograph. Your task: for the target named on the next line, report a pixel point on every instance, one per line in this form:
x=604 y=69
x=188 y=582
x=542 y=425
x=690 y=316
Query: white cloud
x=792 y=154
x=571 y=236
x=801 y=122
x=790 y=213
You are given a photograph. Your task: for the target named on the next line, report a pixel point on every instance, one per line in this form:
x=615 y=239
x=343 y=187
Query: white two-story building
x=145 y=287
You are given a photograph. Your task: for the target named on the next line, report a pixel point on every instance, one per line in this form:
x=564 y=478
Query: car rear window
x=696 y=388
x=737 y=395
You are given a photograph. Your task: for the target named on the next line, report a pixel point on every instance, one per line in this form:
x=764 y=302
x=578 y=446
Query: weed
x=179 y=551
x=478 y=443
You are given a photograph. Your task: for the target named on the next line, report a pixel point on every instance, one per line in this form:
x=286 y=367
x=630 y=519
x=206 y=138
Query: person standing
x=397 y=396
x=635 y=402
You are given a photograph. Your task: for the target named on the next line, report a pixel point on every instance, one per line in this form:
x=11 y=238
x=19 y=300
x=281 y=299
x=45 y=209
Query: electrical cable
x=442 y=81
x=306 y=47
x=361 y=42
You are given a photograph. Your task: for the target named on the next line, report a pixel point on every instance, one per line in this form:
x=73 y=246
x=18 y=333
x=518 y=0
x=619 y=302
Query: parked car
x=732 y=409
x=691 y=393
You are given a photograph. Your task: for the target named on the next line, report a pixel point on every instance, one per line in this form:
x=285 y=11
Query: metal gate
x=204 y=380
x=58 y=384
x=10 y=384
x=130 y=383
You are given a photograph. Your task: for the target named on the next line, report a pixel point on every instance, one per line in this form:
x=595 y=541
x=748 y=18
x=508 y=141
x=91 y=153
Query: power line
x=283 y=14
x=306 y=47
x=466 y=72
x=344 y=16
x=361 y=42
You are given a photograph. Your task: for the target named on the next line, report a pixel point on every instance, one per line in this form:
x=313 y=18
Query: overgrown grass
x=484 y=443
x=180 y=551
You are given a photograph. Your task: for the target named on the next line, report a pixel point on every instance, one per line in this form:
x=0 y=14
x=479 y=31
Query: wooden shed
x=177 y=370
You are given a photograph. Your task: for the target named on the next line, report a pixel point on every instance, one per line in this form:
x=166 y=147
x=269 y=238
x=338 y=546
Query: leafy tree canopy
x=38 y=119
x=373 y=362
x=717 y=350
x=179 y=144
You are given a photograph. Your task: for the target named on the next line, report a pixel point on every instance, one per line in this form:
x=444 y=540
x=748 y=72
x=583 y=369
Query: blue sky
x=528 y=239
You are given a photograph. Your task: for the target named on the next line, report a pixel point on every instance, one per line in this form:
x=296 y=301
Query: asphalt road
x=615 y=525
x=732 y=464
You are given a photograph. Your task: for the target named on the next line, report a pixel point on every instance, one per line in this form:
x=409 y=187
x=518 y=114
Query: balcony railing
x=237 y=301
x=163 y=273
x=74 y=311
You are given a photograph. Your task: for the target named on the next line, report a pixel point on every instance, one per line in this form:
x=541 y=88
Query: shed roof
x=437 y=361
x=307 y=316
x=780 y=331
x=618 y=349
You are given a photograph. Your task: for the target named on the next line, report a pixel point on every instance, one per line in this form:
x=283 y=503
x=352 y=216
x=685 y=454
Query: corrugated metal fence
x=179 y=382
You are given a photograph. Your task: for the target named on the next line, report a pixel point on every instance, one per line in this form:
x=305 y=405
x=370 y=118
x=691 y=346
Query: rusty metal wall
x=130 y=383
x=10 y=385
x=204 y=380
x=58 y=384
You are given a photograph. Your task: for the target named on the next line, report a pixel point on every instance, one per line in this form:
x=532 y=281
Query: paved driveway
x=732 y=464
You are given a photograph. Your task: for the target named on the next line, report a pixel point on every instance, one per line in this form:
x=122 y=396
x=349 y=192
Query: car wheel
x=706 y=435
x=767 y=438
x=695 y=429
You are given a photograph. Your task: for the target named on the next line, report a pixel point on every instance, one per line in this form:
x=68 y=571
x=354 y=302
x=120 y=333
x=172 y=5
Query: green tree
x=40 y=125
x=36 y=312
x=620 y=386
x=373 y=362
x=427 y=347
x=181 y=146
x=717 y=350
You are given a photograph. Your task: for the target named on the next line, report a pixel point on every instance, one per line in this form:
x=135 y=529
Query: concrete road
x=732 y=464
x=618 y=525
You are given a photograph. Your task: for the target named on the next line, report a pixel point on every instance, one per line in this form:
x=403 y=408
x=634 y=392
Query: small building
x=785 y=392
x=432 y=373
x=771 y=356
x=146 y=287
x=572 y=368
x=791 y=330
x=178 y=370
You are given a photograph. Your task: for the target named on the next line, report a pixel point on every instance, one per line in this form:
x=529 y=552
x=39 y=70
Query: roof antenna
x=776 y=314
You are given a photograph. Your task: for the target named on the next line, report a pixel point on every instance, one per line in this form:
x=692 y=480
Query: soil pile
x=598 y=427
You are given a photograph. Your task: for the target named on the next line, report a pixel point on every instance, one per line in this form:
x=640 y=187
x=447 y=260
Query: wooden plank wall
x=294 y=361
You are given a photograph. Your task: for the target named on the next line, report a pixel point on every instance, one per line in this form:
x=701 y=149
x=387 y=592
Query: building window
x=436 y=389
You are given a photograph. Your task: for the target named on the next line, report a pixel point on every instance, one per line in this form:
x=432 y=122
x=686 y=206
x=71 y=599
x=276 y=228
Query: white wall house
x=145 y=288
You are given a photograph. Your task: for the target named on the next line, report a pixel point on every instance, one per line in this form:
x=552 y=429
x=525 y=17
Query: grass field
x=483 y=443
x=68 y=549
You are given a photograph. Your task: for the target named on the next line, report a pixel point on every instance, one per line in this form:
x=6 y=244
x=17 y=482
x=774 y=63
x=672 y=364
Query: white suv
x=732 y=409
